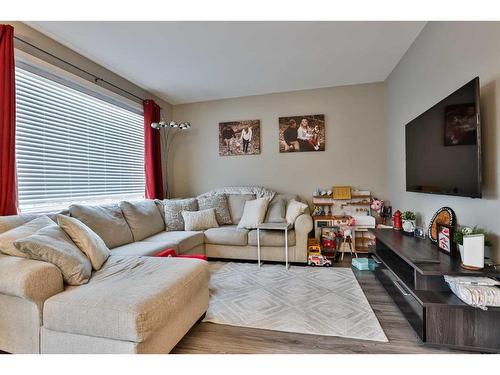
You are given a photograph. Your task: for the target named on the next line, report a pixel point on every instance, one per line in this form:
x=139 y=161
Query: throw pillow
x=13 y=221
x=8 y=238
x=86 y=239
x=219 y=202
x=236 y=204
x=173 y=209
x=253 y=213
x=143 y=218
x=200 y=220
x=293 y=210
x=107 y=221
x=51 y=244
x=276 y=212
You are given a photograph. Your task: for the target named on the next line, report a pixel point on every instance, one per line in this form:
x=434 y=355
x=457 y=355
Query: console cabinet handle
x=400 y=287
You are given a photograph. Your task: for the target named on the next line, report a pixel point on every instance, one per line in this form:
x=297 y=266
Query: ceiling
x=184 y=62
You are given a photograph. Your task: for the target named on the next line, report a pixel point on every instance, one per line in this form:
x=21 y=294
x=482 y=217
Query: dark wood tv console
x=411 y=270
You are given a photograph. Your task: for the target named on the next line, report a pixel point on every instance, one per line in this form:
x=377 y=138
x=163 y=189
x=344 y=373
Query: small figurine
x=318 y=211
x=397 y=221
x=376 y=206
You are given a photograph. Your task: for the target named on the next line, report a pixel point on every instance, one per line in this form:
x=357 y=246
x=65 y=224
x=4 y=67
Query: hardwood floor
x=216 y=338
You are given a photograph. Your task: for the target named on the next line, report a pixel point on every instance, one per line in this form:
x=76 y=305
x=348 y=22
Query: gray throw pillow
x=173 y=212
x=8 y=238
x=219 y=203
x=276 y=211
x=86 y=239
x=51 y=244
x=143 y=218
x=107 y=221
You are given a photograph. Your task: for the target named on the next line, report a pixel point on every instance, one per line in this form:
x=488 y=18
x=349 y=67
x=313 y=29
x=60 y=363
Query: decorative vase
x=409 y=226
x=472 y=252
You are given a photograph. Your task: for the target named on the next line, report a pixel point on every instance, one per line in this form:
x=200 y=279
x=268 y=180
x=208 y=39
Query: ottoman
x=131 y=305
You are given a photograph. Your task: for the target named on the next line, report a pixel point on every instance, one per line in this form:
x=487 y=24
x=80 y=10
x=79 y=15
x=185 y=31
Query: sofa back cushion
x=107 y=221
x=51 y=244
x=173 y=209
x=276 y=211
x=86 y=239
x=143 y=218
x=8 y=238
x=236 y=204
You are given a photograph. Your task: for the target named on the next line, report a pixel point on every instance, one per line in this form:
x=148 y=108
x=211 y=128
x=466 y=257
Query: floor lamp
x=168 y=131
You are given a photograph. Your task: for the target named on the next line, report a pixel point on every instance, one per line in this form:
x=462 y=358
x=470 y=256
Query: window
x=73 y=147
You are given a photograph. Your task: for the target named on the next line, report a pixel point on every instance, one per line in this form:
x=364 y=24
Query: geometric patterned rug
x=317 y=301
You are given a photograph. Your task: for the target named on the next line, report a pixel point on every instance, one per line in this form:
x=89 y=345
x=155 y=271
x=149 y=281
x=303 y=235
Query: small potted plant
x=409 y=221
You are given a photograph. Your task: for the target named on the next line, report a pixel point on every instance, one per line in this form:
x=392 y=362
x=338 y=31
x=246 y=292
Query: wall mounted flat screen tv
x=443 y=146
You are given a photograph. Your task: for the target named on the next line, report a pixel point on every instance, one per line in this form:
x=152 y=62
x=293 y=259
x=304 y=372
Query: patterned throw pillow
x=219 y=203
x=173 y=212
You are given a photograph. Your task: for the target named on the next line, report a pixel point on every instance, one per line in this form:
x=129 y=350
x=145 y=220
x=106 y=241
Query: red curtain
x=8 y=180
x=152 y=151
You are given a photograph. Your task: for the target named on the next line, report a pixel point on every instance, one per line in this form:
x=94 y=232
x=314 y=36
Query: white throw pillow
x=254 y=213
x=293 y=210
x=199 y=220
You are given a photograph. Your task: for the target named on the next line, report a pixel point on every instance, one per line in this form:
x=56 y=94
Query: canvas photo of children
x=239 y=138
x=302 y=133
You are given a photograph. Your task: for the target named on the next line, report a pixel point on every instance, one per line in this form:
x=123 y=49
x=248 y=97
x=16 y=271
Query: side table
x=273 y=226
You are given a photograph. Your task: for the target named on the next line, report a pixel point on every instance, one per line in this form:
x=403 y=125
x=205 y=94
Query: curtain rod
x=96 y=78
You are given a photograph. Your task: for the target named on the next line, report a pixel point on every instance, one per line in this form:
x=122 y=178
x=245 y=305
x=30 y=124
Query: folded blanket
x=258 y=191
x=487 y=293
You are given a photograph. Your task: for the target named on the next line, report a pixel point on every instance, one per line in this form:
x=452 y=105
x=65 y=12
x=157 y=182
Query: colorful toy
x=377 y=205
x=315 y=257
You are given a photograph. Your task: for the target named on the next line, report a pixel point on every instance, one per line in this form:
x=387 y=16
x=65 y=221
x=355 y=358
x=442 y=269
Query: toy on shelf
x=315 y=258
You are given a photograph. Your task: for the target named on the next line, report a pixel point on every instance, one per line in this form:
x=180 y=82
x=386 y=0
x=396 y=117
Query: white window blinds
x=72 y=147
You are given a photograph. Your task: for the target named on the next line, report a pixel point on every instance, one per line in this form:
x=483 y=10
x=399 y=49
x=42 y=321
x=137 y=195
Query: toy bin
x=364 y=264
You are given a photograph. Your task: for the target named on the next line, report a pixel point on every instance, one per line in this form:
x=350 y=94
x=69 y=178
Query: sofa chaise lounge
x=136 y=303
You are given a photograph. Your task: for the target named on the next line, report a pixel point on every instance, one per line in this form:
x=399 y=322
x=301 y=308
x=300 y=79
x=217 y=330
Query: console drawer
x=409 y=306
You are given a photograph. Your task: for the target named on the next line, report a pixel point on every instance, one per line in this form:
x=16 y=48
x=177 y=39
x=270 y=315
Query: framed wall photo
x=302 y=133
x=239 y=138
x=445 y=239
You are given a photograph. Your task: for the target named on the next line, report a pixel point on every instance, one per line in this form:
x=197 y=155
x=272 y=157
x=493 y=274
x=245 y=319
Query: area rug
x=316 y=301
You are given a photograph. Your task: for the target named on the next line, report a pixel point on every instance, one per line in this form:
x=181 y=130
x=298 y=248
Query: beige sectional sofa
x=135 y=303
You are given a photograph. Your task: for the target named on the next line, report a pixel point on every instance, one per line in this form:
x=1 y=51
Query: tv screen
x=443 y=146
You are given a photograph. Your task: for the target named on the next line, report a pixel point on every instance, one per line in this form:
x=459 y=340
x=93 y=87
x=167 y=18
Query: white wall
x=355 y=145
x=445 y=56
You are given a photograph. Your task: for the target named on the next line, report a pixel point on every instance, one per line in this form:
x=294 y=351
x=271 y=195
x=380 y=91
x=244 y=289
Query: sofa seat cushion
x=227 y=235
x=271 y=238
x=129 y=298
x=139 y=248
x=181 y=241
